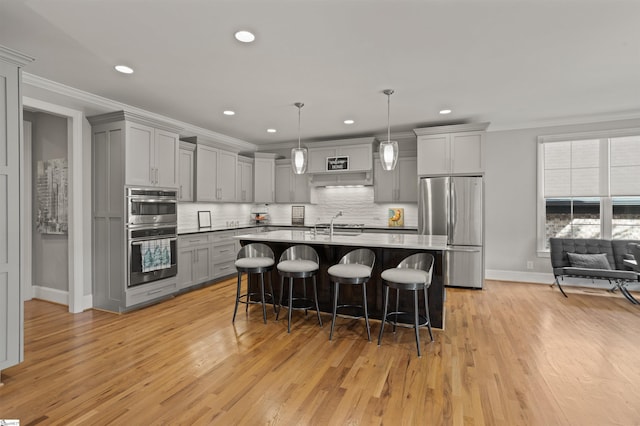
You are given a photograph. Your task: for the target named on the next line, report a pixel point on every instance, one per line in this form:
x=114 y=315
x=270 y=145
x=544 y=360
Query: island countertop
x=341 y=238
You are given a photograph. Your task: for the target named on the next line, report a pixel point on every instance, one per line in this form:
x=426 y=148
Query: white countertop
x=405 y=241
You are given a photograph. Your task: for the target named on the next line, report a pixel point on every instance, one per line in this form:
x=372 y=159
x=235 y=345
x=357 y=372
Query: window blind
x=572 y=169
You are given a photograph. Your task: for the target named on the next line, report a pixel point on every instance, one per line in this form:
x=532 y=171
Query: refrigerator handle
x=452 y=212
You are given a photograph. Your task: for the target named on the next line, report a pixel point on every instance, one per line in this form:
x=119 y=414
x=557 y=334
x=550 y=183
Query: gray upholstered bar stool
x=413 y=274
x=353 y=269
x=299 y=261
x=255 y=258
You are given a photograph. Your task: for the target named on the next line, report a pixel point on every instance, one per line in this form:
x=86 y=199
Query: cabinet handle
x=180 y=196
x=157 y=176
x=224 y=251
x=155 y=291
x=224 y=267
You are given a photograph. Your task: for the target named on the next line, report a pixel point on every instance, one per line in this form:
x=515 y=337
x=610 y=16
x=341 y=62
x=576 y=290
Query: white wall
x=511 y=196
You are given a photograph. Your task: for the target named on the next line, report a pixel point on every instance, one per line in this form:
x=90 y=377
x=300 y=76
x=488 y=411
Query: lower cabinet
x=225 y=248
x=194 y=259
x=206 y=257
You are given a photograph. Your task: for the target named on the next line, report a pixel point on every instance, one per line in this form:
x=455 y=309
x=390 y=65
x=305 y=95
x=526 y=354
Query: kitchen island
x=389 y=249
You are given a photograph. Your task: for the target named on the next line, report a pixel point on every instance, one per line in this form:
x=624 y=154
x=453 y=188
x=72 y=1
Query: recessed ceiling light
x=349 y=121
x=271 y=130
x=229 y=112
x=245 y=36
x=445 y=111
x=124 y=69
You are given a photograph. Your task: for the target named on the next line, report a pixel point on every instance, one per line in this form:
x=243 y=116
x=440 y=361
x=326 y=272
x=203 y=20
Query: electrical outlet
x=529 y=264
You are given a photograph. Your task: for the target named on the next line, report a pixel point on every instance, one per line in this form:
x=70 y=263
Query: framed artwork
x=204 y=219
x=337 y=163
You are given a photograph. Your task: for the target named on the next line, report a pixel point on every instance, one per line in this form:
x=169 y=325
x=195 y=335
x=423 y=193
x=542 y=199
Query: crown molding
x=93 y=100
x=15 y=57
x=575 y=121
x=436 y=130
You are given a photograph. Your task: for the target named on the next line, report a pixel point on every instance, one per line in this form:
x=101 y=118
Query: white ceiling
x=515 y=63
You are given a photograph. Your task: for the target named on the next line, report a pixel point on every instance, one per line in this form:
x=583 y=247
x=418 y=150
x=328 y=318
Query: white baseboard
x=51 y=295
x=60 y=297
x=519 y=276
x=547 y=278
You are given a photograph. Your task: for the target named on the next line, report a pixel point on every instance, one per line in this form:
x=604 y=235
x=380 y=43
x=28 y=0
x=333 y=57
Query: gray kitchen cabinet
x=451 y=150
x=264 y=170
x=290 y=187
x=194 y=259
x=359 y=152
x=225 y=248
x=112 y=159
x=397 y=185
x=215 y=174
x=244 y=180
x=151 y=156
x=186 y=165
x=11 y=304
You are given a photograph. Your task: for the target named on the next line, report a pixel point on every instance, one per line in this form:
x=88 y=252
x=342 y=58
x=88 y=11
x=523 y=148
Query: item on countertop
x=297 y=215
x=396 y=217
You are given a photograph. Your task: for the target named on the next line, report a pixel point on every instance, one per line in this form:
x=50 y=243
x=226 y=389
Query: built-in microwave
x=151 y=206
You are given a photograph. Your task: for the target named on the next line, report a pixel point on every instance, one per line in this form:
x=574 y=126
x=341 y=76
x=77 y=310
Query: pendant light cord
x=299 y=105
x=388 y=92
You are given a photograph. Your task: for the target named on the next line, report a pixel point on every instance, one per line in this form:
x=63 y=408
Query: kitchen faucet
x=331 y=224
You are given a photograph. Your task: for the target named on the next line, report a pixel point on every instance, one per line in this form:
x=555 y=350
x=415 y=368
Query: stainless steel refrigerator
x=453 y=206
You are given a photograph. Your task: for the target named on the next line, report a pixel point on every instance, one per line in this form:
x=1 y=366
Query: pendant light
x=388 y=148
x=299 y=155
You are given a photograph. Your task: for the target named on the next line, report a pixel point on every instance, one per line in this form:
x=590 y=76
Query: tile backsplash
x=356 y=204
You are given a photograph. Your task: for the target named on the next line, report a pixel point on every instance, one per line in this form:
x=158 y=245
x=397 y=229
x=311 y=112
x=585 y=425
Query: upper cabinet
x=244 y=180
x=451 y=150
x=290 y=187
x=347 y=155
x=264 y=170
x=150 y=148
x=397 y=185
x=186 y=166
x=215 y=174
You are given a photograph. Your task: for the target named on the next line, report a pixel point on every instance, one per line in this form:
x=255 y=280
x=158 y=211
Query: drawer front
x=226 y=251
x=224 y=236
x=193 y=240
x=222 y=269
x=150 y=292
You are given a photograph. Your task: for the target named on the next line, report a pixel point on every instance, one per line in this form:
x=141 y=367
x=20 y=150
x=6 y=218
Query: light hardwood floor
x=511 y=354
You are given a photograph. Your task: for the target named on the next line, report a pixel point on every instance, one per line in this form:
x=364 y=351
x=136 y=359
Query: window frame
x=606 y=205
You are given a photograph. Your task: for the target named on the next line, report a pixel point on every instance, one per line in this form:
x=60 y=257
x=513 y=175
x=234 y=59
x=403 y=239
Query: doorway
x=77 y=237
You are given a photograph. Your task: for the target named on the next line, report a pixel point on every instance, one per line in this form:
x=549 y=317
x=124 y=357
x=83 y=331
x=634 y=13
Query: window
x=589 y=186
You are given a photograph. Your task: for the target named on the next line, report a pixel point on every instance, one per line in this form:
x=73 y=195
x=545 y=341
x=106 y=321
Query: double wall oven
x=152 y=228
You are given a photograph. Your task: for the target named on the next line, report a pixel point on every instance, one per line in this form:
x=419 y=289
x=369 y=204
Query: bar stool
x=300 y=261
x=413 y=273
x=255 y=258
x=355 y=269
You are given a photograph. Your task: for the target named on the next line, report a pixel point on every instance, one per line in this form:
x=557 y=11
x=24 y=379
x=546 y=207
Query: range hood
x=345 y=162
x=342 y=179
